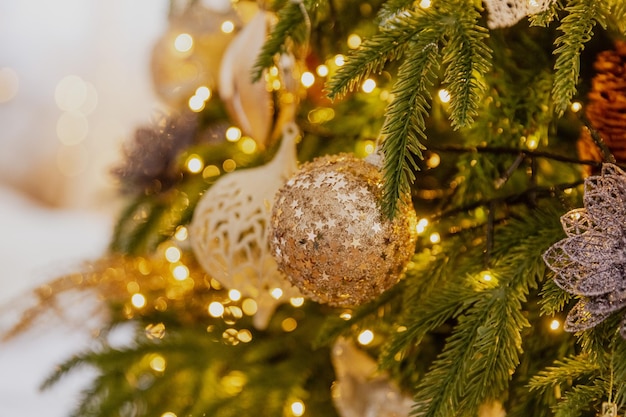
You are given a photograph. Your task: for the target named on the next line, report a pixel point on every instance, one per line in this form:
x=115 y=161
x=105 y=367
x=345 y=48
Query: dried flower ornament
x=591 y=262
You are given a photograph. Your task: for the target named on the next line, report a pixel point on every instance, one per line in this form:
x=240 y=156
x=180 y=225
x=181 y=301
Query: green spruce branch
x=577 y=29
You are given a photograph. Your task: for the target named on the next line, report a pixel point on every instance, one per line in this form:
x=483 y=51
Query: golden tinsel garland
x=606 y=107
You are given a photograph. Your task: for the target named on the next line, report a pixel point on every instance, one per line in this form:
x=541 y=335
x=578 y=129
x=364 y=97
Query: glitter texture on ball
x=330 y=237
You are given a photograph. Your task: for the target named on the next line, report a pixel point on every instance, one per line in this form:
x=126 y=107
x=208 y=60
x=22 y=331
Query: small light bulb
x=365 y=337
x=421 y=225
x=576 y=106
x=297 y=408
x=233 y=134
x=425 y=4
x=173 y=254
x=444 y=95
x=368 y=85
x=138 y=300
x=340 y=60
x=555 y=325
x=322 y=70
x=227 y=26
x=276 y=293
x=234 y=295
x=215 y=309
x=435 y=238
x=183 y=42
x=194 y=164
x=307 y=79
x=354 y=41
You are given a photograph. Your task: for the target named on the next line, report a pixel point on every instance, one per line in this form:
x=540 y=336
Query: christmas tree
x=371 y=208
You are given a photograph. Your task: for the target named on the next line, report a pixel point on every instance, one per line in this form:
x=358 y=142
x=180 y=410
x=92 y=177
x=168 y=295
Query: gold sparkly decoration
x=331 y=239
x=189 y=54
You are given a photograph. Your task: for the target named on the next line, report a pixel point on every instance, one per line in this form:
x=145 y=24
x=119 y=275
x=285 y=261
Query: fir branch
x=577 y=29
x=375 y=52
x=564 y=372
x=391 y=8
x=404 y=124
x=466 y=58
x=577 y=400
x=553 y=298
x=545 y=17
x=292 y=24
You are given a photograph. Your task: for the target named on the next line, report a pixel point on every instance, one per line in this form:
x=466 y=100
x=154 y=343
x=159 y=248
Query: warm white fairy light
x=157 y=363
x=486 y=276
x=196 y=104
x=234 y=295
x=297 y=408
x=173 y=254
x=168 y=414
x=210 y=171
x=215 y=309
x=425 y=4
x=340 y=60
x=227 y=26
x=346 y=315
x=289 y=324
x=368 y=85
x=322 y=70
x=434 y=237
x=138 y=300
x=180 y=272
x=229 y=165
x=203 y=92
x=369 y=147
x=354 y=41
x=276 y=293
x=444 y=95
x=365 y=337
x=194 y=164
x=576 y=106
x=307 y=79
x=247 y=145
x=183 y=42
x=532 y=142
x=433 y=160
x=181 y=233
x=249 y=307
x=296 y=301
x=555 y=325
x=421 y=225
x=233 y=134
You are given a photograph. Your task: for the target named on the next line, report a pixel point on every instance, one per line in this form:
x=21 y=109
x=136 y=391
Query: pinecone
x=606 y=107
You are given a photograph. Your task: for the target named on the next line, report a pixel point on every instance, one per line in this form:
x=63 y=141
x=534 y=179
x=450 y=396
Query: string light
x=340 y=60
x=421 y=225
x=354 y=41
x=203 y=92
x=532 y=142
x=194 y=164
x=346 y=315
x=425 y=4
x=227 y=26
x=196 y=103
x=297 y=301
x=365 y=337
x=307 y=79
x=180 y=272
x=229 y=165
x=183 y=42
x=168 y=414
x=276 y=293
x=444 y=95
x=138 y=300
x=434 y=237
x=215 y=309
x=247 y=145
x=322 y=70
x=173 y=254
x=297 y=408
x=486 y=276
x=155 y=331
x=368 y=85
x=555 y=325
x=181 y=233
x=233 y=134
x=576 y=106
x=289 y=324
x=249 y=306
x=234 y=295
x=210 y=171
x=157 y=363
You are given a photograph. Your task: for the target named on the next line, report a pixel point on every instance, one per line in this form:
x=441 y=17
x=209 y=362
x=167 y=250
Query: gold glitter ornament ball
x=330 y=237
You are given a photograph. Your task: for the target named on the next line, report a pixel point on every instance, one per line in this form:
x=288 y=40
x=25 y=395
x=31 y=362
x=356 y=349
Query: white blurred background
x=74 y=84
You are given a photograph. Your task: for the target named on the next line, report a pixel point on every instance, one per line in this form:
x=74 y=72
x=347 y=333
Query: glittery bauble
x=330 y=237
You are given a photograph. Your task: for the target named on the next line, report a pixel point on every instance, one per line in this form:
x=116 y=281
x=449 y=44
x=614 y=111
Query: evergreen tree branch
x=564 y=372
x=577 y=29
x=466 y=58
x=578 y=400
x=404 y=123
